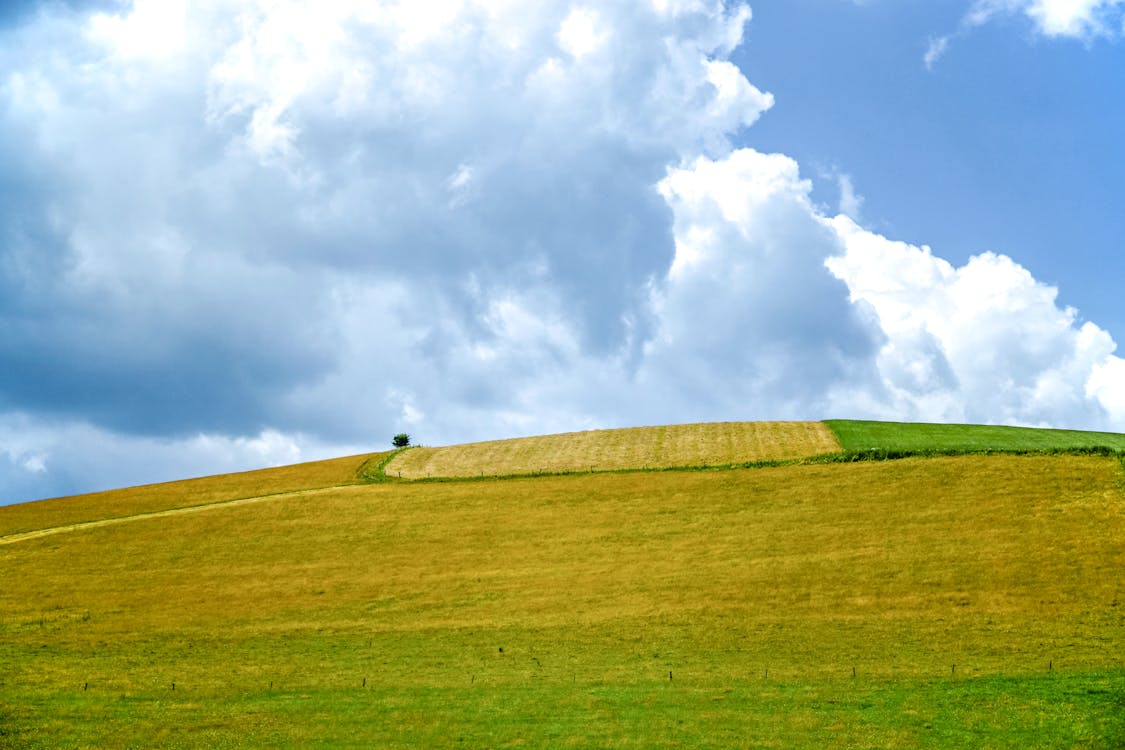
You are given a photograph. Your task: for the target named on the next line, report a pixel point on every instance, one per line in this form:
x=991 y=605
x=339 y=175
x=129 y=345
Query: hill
x=734 y=444
x=965 y=600
x=155 y=498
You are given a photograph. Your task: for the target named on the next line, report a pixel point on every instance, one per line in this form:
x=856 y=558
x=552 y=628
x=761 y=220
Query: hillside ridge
x=681 y=447
x=834 y=600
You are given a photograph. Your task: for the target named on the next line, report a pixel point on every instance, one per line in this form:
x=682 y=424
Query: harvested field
x=707 y=444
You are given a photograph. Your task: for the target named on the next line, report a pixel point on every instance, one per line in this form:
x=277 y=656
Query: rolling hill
x=758 y=585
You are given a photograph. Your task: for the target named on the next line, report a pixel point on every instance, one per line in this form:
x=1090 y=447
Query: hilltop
x=739 y=584
x=735 y=444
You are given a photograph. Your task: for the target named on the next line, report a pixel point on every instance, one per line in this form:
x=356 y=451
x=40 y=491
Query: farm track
x=83 y=525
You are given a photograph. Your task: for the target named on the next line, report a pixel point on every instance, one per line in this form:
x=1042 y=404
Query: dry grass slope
x=709 y=444
x=151 y=498
x=552 y=611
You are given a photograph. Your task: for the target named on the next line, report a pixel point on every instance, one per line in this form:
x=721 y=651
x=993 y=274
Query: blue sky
x=1011 y=142
x=236 y=234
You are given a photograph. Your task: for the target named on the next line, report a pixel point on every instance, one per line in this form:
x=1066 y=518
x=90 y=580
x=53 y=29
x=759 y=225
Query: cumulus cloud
x=235 y=234
x=1106 y=386
x=750 y=321
x=985 y=342
x=285 y=147
x=215 y=210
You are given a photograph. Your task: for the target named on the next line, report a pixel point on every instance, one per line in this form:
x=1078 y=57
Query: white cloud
x=1068 y=19
x=750 y=324
x=1075 y=18
x=982 y=343
x=154 y=30
x=935 y=50
x=1055 y=18
x=51 y=458
x=851 y=202
x=748 y=320
x=582 y=32
x=1107 y=385
x=178 y=230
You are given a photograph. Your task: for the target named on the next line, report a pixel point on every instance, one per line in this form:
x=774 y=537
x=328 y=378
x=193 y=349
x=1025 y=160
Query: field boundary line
x=24 y=536
x=873 y=455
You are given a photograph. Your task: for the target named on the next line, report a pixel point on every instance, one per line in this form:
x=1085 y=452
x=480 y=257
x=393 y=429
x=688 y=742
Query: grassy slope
x=375 y=615
x=856 y=435
x=710 y=444
x=186 y=493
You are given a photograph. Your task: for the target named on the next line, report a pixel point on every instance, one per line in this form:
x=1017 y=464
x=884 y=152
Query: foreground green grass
x=909 y=437
x=1082 y=710
x=976 y=598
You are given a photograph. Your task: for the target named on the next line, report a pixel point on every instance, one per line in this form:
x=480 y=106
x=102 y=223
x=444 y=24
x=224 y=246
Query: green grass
x=374 y=615
x=1077 y=710
x=919 y=438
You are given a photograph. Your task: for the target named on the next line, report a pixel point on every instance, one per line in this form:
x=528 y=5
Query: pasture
x=963 y=601
x=909 y=437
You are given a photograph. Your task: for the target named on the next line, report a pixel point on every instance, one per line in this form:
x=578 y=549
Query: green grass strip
x=374 y=469
x=939 y=439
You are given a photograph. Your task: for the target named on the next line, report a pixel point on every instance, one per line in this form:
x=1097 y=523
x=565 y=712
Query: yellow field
x=709 y=444
x=556 y=610
x=159 y=497
x=850 y=558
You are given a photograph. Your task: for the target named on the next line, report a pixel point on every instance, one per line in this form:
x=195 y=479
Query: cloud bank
x=235 y=234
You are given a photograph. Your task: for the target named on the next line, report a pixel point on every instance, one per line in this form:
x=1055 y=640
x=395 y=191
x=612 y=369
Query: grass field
x=855 y=435
x=711 y=444
x=968 y=601
x=202 y=491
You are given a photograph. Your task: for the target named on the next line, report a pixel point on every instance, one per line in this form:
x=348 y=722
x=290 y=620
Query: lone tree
x=401 y=440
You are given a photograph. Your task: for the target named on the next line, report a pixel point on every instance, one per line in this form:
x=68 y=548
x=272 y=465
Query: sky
x=243 y=234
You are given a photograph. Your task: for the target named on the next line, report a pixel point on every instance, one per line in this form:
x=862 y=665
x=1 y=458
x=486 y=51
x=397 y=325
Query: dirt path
x=24 y=536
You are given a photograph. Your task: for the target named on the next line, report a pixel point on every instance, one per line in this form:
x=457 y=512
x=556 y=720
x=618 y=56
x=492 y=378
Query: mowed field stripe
x=671 y=446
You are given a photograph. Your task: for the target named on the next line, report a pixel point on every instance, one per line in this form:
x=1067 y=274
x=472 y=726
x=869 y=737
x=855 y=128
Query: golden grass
x=996 y=564
x=168 y=495
x=449 y=601
x=709 y=444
